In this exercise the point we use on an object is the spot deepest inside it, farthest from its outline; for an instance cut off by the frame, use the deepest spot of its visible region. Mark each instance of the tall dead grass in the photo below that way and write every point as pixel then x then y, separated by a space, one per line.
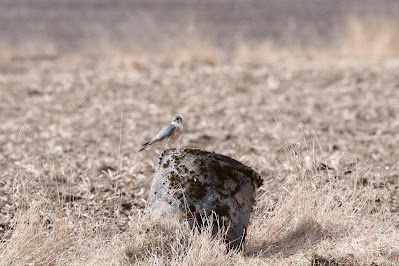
pixel 370 37
pixel 358 39
pixel 308 222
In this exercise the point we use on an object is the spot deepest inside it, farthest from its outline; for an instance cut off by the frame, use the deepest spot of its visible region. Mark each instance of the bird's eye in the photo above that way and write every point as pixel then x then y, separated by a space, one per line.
pixel 178 119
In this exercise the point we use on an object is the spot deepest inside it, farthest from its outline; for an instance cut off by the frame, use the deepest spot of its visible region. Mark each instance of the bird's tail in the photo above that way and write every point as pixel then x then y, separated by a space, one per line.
pixel 146 145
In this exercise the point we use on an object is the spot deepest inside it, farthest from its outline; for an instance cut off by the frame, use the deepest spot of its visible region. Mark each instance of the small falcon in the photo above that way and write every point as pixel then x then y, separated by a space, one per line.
pixel 168 135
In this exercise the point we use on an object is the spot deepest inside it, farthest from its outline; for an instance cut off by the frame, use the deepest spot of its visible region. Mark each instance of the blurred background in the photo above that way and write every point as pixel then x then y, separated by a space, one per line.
pixel 210 31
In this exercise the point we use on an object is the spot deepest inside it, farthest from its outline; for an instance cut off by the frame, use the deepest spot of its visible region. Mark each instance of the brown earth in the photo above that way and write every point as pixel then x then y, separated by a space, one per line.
pixel 69 138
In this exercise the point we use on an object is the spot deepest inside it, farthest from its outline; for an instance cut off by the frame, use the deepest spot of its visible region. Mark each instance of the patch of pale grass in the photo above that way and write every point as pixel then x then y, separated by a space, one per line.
pixel 34 240
pixel 183 51
pixel 337 223
pixel 372 37
pixel 5 57
pixel 37 240
pixel 42 239
pixel 165 241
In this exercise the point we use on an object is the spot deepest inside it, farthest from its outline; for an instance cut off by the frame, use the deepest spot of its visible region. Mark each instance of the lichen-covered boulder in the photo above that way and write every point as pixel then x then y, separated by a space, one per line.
pixel 190 184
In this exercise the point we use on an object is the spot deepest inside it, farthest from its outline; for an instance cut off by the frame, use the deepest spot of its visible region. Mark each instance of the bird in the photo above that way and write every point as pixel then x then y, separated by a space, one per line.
pixel 168 135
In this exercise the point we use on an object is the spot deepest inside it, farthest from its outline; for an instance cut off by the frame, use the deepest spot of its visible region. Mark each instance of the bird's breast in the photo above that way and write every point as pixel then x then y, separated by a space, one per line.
pixel 176 133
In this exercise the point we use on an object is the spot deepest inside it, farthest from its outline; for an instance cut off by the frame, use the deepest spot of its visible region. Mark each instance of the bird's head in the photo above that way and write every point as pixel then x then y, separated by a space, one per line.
pixel 178 120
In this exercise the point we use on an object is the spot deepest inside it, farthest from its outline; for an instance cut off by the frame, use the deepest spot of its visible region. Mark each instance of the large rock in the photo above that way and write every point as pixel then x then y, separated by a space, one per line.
pixel 191 183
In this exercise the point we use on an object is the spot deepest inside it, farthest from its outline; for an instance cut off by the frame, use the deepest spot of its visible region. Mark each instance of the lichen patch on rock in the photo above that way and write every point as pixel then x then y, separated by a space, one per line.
pixel 198 183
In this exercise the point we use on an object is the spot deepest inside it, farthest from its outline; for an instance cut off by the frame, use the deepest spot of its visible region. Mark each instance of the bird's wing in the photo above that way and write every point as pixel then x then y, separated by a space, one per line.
pixel 165 132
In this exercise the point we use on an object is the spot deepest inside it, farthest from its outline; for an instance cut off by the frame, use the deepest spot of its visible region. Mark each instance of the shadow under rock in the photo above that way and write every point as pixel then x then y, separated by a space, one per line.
pixel 305 235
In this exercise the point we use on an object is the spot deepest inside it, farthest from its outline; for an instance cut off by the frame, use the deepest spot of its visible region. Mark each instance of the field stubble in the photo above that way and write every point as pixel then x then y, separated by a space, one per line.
pixel 322 135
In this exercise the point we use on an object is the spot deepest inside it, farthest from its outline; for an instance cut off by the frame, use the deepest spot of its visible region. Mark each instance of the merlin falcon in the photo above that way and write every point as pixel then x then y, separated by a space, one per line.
pixel 168 135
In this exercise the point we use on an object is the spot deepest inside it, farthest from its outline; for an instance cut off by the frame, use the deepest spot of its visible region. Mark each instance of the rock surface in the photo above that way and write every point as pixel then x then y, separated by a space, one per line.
pixel 190 183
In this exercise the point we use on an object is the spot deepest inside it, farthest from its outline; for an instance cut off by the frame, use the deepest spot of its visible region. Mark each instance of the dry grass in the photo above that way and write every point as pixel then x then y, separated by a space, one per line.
pixel 322 134
pixel 373 37
pixel 337 222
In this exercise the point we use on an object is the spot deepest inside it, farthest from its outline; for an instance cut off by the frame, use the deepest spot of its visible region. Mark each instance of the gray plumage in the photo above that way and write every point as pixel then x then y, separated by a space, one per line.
pixel 164 133
pixel 167 135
